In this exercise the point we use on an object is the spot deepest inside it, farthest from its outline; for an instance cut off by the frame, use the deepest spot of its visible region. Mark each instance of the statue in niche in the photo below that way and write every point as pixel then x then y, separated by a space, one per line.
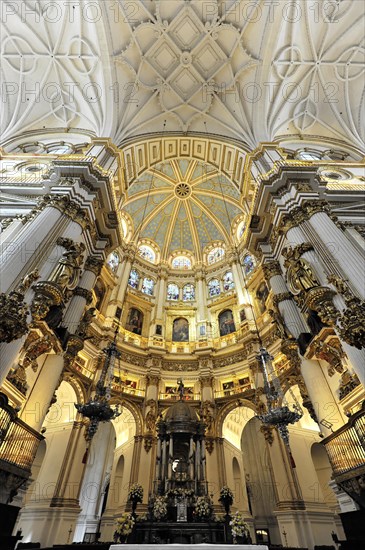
pixel 300 275
pixel 151 416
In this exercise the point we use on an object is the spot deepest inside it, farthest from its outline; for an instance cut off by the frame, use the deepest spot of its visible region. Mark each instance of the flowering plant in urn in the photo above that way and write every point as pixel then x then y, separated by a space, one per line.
pixel 159 508
pixel 226 498
pixel 239 527
pixel 135 493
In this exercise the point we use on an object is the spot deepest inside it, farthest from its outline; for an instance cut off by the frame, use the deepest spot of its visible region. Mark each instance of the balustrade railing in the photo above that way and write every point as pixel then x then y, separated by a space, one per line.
pixel 346 446
pixel 18 441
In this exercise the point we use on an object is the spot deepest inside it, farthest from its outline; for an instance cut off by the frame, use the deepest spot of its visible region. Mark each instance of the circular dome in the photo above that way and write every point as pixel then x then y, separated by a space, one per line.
pixel 181 412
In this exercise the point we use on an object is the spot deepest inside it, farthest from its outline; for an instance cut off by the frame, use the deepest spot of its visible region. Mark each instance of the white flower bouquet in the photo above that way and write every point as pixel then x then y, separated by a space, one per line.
pixel 203 508
pixel 125 524
pixel 159 508
pixel 226 495
pixel 135 493
pixel 239 526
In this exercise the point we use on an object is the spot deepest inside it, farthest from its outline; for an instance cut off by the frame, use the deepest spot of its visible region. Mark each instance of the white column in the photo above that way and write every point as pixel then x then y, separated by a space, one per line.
pixel 343 252
pixel 239 283
pixel 79 300
pixel 16 254
pixel 36 407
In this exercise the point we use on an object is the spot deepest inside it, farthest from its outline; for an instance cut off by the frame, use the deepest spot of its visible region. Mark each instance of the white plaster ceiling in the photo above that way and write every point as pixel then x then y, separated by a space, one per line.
pixel 250 70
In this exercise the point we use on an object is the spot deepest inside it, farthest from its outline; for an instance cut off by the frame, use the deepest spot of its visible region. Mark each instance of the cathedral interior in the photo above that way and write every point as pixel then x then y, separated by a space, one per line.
pixel 182 271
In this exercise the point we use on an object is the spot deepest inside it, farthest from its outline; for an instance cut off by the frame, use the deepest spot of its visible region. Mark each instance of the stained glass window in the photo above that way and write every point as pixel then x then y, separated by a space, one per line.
pixel 248 264
pixel 148 286
pixel 215 255
pixel 147 253
pixel 113 261
pixel 228 282
pixel 188 292
pixel 214 288
pixel 181 262
pixel 172 292
pixel 133 278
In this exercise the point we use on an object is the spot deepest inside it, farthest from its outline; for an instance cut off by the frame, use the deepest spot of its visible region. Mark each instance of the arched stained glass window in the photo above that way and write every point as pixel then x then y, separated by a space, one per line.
pixel 148 286
pixel 133 278
pixel 147 253
pixel 215 255
pixel 172 292
pixel 113 261
pixel 181 262
pixel 248 264
pixel 228 282
pixel 188 292
pixel 214 288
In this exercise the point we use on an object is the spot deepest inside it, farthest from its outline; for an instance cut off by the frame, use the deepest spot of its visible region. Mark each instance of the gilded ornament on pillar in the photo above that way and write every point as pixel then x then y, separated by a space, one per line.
pixel 84 293
pixel 351 322
pixel 307 403
pixel 18 378
pixel 66 273
pixel 14 311
pixel 85 322
pixel 281 297
pixel 299 273
pixel 271 269
pixel 94 264
pixel 348 383
pixel 209 444
pixel 206 381
pixel 148 442
pixel 46 295
pixel 74 345
pixel 281 330
pixel 331 352
pixel 320 299
pixel 289 348
pixel 207 414
pixel 151 416
pixel 42 345
pixel 294 218
pixel 268 432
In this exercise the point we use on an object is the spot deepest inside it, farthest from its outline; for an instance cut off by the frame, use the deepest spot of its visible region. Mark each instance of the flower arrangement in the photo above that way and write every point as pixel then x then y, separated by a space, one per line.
pixel 239 526
pixel 135 493
pixel 203 508
pixel 125 525
pixel 226 495
pixel 159 508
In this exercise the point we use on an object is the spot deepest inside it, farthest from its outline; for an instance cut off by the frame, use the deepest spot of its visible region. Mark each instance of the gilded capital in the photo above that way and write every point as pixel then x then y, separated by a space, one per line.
pixel 84 293
pixel 281 298
pixel 271 269
pixel 94 264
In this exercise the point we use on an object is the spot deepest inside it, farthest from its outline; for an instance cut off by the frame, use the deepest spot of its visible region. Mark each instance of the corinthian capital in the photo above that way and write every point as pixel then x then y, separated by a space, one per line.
pixel 94 264
pixel 271 269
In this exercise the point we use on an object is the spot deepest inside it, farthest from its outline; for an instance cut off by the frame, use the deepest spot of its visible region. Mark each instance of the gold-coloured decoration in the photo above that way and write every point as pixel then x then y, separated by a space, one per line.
pixel 268 432
pixel 299 273
pixel 352 321
pixel 66 272
pixel 281 330
pixel 46 295
pixel 348 383
pixel 94 264
pixel 320 299
pixel 330 352
pixel 151 416
pixel 209 444
pixel 38 347
pixel 271 269
pixel 83 326
pixel 281 297
pixel 14 311
pixel 289 348
pixel 18 378
pixel 207 415
pixel 148 443
pixel 74 345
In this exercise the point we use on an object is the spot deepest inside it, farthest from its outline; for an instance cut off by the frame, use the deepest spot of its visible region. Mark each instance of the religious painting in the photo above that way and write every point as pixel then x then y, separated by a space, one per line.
pixel 244 383
pixel 261 295
pixel 159 330
pixel 228 387
pixel 180 330
pixel 202 330
pixel 242 315
pixel 226 322
pixel 135 321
